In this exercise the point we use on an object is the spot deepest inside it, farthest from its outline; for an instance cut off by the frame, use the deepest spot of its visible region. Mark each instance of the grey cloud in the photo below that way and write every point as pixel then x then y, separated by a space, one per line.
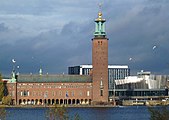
pixel 137 37
pixel 52 50
pixel 133 28
pixel 3 27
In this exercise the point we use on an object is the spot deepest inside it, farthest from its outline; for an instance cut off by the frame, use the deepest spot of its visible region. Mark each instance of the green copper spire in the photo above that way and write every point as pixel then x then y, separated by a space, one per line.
pixel 100 26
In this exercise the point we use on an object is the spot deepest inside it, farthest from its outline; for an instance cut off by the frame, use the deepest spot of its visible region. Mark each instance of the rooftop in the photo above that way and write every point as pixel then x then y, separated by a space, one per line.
pixel 54 78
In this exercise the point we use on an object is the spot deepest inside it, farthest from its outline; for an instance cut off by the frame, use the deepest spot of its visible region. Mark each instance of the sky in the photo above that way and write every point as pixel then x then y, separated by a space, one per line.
pixel 56 34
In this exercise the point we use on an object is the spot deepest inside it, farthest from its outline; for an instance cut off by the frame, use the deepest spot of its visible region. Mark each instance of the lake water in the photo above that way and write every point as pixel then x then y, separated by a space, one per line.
pixel 116 113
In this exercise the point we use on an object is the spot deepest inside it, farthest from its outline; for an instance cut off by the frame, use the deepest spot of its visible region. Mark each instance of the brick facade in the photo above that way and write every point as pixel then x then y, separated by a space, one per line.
pixel 50 93
pixel 100 71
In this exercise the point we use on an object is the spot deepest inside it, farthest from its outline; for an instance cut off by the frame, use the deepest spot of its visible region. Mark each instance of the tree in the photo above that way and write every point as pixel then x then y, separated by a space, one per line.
pixel 6 100
pixel 1 88
pixel 159 114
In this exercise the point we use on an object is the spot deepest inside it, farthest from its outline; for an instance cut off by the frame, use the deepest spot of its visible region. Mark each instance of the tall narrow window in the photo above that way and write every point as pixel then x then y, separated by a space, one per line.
pixel 101 92
pixel 53 93
pixel 88 93
pixel 72 93
pixel 27 93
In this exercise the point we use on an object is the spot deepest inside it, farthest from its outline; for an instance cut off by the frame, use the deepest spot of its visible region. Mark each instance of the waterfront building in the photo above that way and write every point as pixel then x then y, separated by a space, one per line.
pixel 66 89
pixel 115 72
pixel 95 86
pixel 51 89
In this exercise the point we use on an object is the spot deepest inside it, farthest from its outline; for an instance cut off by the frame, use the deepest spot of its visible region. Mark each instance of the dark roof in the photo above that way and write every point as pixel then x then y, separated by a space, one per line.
pixel 54 78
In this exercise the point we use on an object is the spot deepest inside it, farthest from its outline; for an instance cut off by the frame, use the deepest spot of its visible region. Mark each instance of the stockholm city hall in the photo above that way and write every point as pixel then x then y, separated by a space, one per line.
pixel 46 89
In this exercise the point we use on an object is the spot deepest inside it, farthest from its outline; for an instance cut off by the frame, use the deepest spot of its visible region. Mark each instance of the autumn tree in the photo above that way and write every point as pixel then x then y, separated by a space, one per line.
pixel 1 88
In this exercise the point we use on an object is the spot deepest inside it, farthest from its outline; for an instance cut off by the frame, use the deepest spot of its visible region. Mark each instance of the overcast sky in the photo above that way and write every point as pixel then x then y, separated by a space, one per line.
pixel 56 34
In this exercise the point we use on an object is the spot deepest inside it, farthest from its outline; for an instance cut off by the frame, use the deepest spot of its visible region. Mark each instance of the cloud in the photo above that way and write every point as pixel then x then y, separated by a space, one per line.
pixel 3 28
pixel 57 34
pixel 134 34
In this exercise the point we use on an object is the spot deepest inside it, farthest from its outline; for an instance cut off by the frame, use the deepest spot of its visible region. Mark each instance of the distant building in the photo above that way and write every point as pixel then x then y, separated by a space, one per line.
pixel 143 80
pixel 145 86
pixel 115 72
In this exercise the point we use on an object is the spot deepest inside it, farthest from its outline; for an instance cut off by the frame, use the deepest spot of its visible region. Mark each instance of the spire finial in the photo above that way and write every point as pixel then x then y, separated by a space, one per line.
pixel 100 7
pixel 100 12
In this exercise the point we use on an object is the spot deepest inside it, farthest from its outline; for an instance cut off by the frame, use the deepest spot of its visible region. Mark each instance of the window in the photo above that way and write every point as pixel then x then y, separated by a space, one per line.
pixel 46 94
pixel 98 42
pixel 72 93
pixel 27 93
pixel 88 93
pixel 24 93
pixel 67 94
pixel 101 92
pixel 53 93
pixel 80 93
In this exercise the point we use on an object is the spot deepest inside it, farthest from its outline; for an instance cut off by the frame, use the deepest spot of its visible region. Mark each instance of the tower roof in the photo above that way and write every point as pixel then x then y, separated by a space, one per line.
pixel 100 26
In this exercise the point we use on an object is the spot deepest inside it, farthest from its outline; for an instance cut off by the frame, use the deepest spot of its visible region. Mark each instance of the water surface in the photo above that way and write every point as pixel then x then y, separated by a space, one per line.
pixel 116 113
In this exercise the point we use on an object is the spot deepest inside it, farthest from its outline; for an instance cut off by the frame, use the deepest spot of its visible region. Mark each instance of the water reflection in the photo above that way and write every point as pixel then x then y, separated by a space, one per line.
pixel 3 114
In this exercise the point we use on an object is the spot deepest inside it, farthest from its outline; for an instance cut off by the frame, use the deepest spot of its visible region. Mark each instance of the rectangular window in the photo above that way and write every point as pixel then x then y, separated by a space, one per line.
pixel 101 92
pixel 72 93
pixel 28 93
pixel 88 93
pixel 45 94
pixel 21 93
pixel 67 94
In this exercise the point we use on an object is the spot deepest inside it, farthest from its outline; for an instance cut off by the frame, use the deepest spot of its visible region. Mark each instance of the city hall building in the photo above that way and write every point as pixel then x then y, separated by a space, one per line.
pixel 66 89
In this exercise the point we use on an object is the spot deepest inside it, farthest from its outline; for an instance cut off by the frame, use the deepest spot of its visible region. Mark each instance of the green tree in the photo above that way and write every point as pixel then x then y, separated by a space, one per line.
pixel 1 88
pixel 159 114
pixel 6 100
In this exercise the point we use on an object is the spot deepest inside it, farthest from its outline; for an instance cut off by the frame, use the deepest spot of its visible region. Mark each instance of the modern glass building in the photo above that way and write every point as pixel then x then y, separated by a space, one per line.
pixel 115 72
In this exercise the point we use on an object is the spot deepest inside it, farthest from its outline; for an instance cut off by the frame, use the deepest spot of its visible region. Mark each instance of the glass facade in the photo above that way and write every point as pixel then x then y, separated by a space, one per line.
pixel 115 72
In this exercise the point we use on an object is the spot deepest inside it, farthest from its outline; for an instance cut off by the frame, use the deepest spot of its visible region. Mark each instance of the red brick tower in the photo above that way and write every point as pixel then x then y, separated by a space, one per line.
pixel 100 61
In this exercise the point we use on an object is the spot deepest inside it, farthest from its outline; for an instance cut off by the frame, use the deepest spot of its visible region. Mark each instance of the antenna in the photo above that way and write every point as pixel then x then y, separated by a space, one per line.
pixel 100 7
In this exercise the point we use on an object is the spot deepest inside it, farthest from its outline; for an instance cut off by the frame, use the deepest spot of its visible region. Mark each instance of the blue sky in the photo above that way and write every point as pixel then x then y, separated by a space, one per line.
pixel 56 34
